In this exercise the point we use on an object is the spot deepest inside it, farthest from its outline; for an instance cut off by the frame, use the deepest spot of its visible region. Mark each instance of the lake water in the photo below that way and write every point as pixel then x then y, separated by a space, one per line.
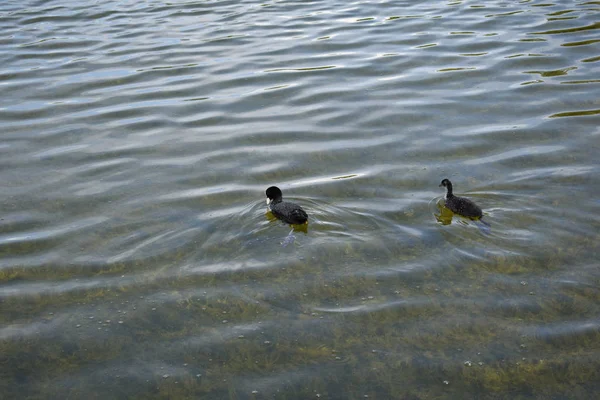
pixel 137 260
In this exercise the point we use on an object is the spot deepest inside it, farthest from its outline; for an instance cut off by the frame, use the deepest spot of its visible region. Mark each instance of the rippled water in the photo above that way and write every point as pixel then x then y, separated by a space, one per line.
pixel 137 139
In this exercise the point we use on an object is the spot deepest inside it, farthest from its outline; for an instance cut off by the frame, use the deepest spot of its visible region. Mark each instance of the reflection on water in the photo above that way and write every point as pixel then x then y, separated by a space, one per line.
pixel 137 139
pixel 443 214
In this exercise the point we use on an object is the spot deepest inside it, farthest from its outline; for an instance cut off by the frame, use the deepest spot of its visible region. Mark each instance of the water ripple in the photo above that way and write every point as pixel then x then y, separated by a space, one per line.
pixel 138 139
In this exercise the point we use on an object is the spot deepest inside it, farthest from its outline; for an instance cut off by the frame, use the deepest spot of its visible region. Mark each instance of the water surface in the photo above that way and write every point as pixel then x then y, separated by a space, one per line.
pixel 137 139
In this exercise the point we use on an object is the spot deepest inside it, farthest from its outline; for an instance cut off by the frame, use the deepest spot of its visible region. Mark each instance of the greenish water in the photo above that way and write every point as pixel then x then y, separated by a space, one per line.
pixel 136 257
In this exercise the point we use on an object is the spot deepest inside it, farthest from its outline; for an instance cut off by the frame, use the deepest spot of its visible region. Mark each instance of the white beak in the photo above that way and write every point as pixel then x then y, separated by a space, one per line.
pixel 268 201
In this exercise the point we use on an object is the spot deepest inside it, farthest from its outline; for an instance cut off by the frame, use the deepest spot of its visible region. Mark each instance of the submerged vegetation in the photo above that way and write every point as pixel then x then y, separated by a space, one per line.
pixel 418 334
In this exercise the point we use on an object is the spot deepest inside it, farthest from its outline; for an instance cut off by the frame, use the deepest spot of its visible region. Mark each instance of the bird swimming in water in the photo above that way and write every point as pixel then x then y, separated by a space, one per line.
pixel 460 205
pixel 284 210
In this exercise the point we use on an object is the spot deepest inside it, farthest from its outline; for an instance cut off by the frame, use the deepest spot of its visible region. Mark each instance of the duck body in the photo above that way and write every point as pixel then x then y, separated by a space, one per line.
pixel 460 205
pixel 286 211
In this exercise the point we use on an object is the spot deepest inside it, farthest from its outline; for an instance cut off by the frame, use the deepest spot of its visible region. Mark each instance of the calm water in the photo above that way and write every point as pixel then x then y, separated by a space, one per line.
pixel 137 139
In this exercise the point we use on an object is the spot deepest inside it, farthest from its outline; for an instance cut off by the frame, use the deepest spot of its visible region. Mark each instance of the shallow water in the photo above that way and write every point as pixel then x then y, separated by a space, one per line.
pixel 138 137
